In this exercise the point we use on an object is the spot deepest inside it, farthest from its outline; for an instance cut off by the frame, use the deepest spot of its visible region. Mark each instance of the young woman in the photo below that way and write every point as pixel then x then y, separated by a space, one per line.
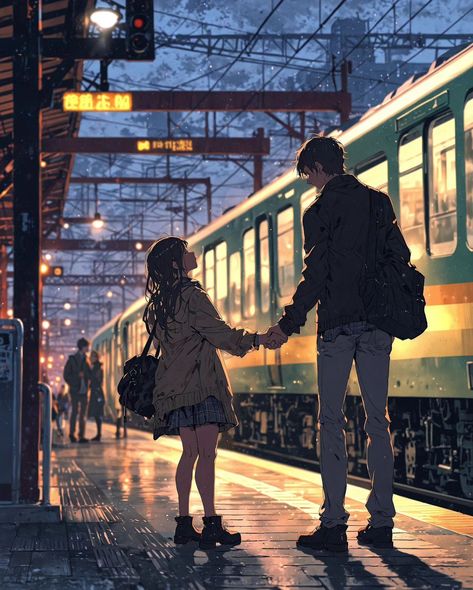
pixel 97 400
pixel 192 395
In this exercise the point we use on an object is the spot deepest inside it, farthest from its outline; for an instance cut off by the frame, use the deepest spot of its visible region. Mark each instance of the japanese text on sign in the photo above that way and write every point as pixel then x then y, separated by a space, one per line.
pixel 97 101
pixel 166 145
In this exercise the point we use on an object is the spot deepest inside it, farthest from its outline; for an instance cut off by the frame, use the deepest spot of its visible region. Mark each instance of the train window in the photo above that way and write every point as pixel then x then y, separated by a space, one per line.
pixel 249 272
pixel 286 251
pixel 209 264
pixel 307 198
pixel 131 339
pixel 442 186
pixel 469 169
pixel 411 192
pixel 235 287
pixel 263 236
pixel 222 276
pixel 375 174
pixel 196 274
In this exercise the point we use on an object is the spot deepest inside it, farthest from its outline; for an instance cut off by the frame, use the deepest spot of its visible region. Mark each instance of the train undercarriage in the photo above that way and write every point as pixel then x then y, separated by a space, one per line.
pixel 432 437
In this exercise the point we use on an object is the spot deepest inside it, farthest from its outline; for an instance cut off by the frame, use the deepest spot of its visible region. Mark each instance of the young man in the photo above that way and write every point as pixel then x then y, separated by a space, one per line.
pixel 77 376
pixel 335 242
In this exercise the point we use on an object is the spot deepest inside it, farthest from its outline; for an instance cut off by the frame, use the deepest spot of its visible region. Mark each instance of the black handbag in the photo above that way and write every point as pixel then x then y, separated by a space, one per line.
pixel 135 389
pixel 392 289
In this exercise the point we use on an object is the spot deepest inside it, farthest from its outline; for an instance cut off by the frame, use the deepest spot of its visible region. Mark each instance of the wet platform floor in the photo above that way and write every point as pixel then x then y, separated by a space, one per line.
pixel 119 500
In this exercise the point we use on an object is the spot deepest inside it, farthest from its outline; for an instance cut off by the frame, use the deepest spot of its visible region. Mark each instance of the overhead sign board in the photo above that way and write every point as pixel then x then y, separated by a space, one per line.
pixel 97 102
pixel 167 145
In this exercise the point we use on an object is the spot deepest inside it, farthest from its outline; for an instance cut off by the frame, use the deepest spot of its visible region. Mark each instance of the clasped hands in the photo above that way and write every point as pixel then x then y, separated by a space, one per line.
pixel 273 338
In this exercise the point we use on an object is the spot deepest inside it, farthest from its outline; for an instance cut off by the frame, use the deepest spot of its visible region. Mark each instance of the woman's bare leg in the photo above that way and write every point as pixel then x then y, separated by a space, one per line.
pixel 185 468
pixel 207 437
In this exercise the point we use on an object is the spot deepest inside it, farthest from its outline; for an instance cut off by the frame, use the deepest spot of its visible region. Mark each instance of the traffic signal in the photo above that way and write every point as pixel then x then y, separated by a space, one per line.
pixel 140 30
pixel 51 271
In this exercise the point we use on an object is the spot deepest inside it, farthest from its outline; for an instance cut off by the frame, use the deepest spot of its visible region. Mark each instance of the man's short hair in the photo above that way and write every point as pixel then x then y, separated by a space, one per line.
pixel 327 151
pixel 82 343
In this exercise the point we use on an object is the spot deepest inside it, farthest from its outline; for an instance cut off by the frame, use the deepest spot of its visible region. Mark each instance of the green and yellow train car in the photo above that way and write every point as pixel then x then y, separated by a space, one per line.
pixel 418 146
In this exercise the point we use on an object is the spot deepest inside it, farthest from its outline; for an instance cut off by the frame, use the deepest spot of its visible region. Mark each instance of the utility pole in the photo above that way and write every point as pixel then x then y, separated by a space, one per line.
pixel 27 225
pixel 258 164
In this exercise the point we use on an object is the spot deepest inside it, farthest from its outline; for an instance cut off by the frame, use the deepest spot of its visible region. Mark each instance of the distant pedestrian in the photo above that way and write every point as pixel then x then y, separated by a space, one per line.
pixel 97 399
pixel 63 405
pixel 192 396
pixel 77 376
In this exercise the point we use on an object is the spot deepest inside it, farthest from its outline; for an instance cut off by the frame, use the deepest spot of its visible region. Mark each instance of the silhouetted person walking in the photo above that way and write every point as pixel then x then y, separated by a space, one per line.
pixel 97 400
pixel 77 376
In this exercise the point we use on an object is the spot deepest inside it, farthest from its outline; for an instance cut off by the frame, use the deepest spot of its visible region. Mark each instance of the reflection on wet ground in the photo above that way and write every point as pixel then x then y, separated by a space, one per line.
pixel 119 502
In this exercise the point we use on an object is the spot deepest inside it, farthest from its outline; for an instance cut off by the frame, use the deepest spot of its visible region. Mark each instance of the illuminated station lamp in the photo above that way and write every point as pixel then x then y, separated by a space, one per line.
pixel 105 18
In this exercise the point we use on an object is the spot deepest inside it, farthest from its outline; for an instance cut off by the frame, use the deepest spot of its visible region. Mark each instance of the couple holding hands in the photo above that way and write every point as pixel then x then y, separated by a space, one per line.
pixel 192 395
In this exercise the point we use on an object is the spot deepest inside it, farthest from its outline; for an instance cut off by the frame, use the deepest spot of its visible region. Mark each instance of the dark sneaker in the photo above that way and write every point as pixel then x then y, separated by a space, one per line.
pixel 185 530
pixel 97 438
pixel 376 537
pixel 329 538
pixel 83 440
pixel 213 533
pixel 72 438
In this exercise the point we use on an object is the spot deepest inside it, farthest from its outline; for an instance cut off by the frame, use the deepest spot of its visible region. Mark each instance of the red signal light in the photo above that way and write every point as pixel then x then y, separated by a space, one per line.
pixel 139 22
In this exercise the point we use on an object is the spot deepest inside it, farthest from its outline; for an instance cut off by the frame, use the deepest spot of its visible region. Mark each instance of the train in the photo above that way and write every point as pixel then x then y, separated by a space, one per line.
pixel 417 145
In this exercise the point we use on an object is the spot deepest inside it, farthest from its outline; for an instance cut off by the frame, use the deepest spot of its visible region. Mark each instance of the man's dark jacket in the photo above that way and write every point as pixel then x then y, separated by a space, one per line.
pixel 76 364
pixel 335 241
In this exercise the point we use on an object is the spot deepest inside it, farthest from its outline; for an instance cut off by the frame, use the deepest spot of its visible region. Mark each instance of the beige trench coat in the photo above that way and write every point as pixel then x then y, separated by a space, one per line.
pixel 191 366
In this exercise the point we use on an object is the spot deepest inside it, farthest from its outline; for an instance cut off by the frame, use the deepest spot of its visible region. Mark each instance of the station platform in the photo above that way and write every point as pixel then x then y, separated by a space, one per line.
pixel 118 503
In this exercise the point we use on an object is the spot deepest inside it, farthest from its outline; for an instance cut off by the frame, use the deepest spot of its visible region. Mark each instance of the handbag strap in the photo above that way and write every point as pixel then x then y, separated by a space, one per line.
pixel 150 340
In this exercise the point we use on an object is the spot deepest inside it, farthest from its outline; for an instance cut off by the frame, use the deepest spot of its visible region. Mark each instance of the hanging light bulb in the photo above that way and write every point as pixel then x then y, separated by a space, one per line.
pixel 98 222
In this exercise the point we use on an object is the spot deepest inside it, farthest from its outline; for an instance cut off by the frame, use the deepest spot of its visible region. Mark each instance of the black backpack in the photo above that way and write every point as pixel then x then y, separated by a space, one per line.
pixel 135 389
pixel 392 289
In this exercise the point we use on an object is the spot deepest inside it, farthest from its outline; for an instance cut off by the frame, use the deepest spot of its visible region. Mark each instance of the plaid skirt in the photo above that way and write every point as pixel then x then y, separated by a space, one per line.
pixel 208 411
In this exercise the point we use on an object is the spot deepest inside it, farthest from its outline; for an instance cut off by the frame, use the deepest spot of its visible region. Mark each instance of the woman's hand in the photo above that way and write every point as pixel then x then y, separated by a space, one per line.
pixel 273 338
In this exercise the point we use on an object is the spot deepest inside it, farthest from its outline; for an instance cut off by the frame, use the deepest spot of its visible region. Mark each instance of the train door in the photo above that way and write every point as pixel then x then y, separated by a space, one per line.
pixel 267 305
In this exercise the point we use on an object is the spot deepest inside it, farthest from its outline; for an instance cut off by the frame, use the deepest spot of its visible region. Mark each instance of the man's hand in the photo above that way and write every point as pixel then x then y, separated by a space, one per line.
pixel 274 338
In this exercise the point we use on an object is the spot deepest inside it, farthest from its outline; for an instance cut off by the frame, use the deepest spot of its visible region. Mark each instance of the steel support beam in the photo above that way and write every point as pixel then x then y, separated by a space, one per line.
pixel 127 145
pixel 102 245
pixel 138 180
pixel 96 281
pixel 27 226
pixel 240 100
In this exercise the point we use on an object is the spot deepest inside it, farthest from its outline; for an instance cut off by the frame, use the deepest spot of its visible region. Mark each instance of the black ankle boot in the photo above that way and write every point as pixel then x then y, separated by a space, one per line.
pixel 214 533
pixel 330 539
pixel 377 537
pixel 185 531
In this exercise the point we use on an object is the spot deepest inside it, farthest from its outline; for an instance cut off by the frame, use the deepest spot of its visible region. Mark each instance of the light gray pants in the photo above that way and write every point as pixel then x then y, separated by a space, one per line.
pixel 371 351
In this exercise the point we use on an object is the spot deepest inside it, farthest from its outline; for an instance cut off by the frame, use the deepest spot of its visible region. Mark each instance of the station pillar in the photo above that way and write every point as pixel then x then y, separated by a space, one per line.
pixel 3 282
pixel 27 226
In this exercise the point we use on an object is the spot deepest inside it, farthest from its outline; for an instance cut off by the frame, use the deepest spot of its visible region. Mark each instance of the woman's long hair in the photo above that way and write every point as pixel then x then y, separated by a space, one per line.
pixel 163 285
